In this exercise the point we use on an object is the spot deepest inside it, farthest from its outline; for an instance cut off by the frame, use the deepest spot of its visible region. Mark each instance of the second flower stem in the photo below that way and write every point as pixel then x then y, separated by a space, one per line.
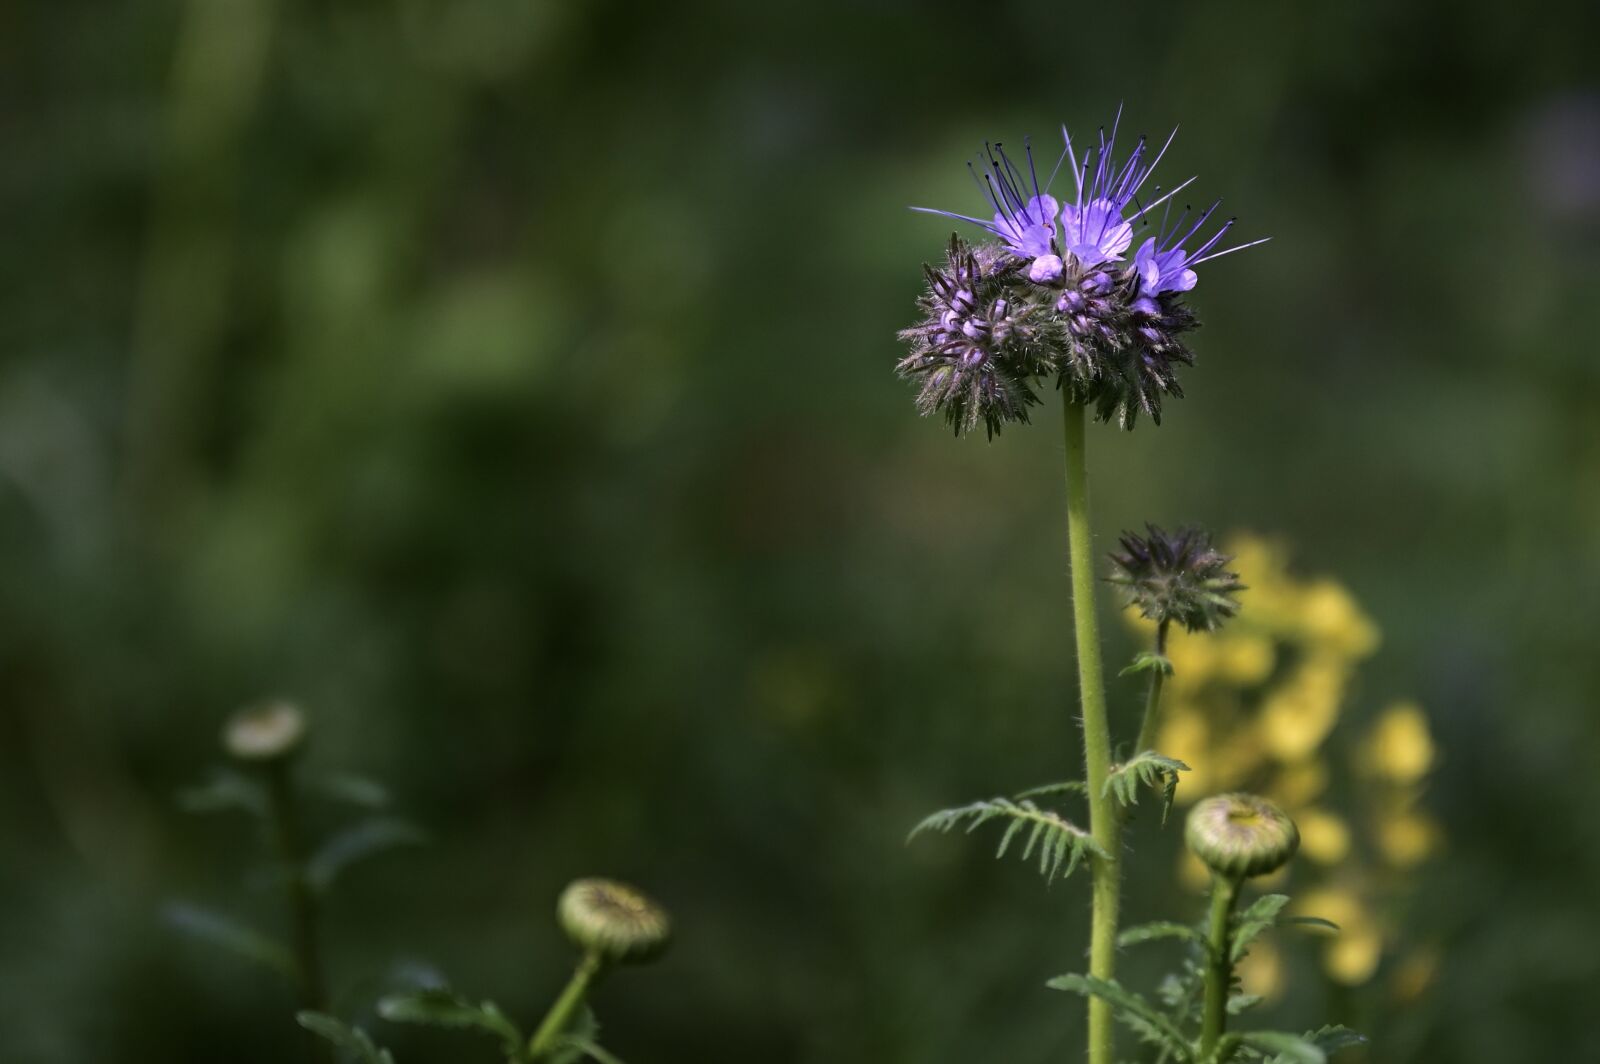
pixel 1104 824
pixel 1219 973
pixel 561 1014
pixel 1152 702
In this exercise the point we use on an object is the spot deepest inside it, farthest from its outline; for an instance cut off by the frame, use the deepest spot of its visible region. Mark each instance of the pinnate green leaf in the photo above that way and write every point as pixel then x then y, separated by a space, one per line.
pixel 231 935
pixel 1288 1048
pixel 353 790
pixel 440 1007
pixel 1148 661
pixel 352 1041
pixel 1132 1010
pixel 1060 844
pixel 224 790
pixel 1161 929
pixel 1248 925
pixel 1145 769
pixel 357 843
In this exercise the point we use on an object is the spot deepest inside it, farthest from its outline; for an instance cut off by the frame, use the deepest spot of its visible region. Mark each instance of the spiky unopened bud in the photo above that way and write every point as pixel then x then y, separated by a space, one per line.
pixel 1179 577
pixel 613 920
pixel 265 732
pixel 1241 835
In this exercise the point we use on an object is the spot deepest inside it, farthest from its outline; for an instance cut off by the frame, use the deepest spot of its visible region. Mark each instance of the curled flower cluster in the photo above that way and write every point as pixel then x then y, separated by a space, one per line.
pixel 1059 293
pixel 977 346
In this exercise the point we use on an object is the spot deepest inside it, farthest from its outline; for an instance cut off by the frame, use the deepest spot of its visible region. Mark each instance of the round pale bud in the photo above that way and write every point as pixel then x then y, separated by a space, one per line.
pixel 1241 835
pixel 613 920
pixel 266 732
pixel 1045 269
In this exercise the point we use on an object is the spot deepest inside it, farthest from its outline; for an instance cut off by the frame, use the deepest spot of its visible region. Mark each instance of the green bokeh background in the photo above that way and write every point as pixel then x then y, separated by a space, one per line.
pixel 510 383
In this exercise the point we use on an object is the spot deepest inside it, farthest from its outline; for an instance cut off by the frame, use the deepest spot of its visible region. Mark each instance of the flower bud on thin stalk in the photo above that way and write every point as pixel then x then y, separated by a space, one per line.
pixel 267 737
pixel 1178 577
pixel 612 923
pixel 1237 836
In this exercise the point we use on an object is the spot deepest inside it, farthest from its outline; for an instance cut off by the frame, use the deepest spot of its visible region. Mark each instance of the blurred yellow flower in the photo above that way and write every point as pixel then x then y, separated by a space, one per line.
pixel 1246 660
pixel 1351 956
pixel 1407 839
pixel 1332 618
pixel 1324 837
pixel 1400 746
pixel 1252 706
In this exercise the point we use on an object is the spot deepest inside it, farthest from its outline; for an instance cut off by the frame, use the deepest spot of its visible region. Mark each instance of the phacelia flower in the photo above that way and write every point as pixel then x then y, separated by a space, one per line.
pixel 1110 326
pixel 1178 578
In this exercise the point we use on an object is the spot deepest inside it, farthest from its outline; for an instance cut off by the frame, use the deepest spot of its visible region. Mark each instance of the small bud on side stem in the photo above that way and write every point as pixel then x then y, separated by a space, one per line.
pixel 612 923
pixel 1238 836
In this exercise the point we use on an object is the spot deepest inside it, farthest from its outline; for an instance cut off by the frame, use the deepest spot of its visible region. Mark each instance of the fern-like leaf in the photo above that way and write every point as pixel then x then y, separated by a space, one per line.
pixel 1262 914
pixel 591 1049
pixel 1329 1040
pixel 1285 1048
pixel 1148 661
pixel 1161 929
pixel 1132 1010
pixel 1061 845
pixel 1050 790
pixel 1241 1003
pixel 1146 769
pixel 443 1008
pixel 352 1041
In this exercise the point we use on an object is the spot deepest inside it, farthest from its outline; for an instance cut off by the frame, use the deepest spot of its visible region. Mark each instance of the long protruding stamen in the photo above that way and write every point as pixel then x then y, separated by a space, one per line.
pixel 1167 197
pixel 1230 251
pixel 1077 175
pixel 1154 163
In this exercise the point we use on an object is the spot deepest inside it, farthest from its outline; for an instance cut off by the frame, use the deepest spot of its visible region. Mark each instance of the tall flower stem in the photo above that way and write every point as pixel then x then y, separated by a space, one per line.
pixel 559 1018
pixel 1219 970
pixel 1104 824
pixel 285 827
pixel 1152 701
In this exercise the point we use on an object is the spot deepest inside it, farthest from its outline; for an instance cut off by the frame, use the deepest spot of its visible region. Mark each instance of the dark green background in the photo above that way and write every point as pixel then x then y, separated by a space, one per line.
pixel 510 383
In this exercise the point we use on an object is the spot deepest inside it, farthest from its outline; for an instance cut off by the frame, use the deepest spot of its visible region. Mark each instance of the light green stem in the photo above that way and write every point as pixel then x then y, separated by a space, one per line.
pixel 1152 701
pixel 1219 969
pixel 1104 823
pixel 559 1018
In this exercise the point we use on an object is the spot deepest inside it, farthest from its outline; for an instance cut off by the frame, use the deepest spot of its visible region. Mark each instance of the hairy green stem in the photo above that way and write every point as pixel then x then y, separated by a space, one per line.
pixel 559 1018
pixel 1219 967
pixel 1152 701
pixel 1104 823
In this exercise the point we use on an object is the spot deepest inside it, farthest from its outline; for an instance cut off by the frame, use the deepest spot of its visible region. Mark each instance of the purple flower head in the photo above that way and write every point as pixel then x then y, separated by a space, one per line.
pixel 1067 288
pixel 1096 226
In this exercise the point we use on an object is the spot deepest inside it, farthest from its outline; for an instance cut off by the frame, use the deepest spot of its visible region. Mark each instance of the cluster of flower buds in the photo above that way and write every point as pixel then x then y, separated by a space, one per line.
pixel 1176 578
pixel 976 343
pixel 1106 325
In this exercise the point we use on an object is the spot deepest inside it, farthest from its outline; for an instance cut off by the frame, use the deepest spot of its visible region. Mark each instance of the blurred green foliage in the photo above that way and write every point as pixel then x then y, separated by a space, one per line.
pixel 509 382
